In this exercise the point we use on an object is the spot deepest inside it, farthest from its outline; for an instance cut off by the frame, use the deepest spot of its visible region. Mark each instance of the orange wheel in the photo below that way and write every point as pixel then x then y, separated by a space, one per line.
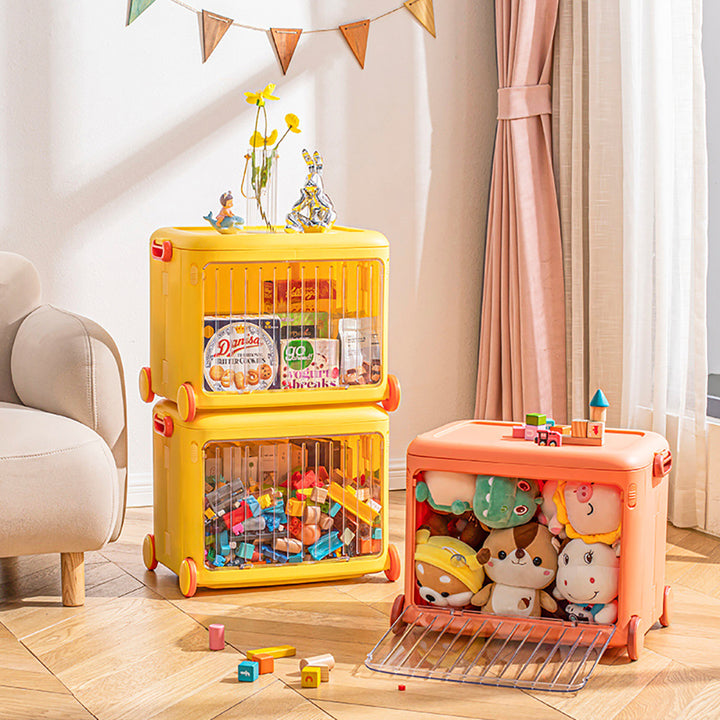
pixel 396 612
pixel 148 551
pixel 145 383
pixel 667 606
pixel 186 402
pixel 391 401
pixel 188 577
pixel 392 572
pixel 635 638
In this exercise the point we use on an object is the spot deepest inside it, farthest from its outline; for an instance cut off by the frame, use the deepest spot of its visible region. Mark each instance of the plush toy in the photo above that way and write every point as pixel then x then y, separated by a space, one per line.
pixel 465 527
pixel 547 514
pixel 589 511
pixel 446 570
pixel 520 561
pixel 587 577
pixel 446 491
pixel 501 502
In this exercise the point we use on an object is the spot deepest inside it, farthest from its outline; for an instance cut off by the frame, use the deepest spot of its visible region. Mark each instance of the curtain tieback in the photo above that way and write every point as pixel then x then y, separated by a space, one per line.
pixel 524 101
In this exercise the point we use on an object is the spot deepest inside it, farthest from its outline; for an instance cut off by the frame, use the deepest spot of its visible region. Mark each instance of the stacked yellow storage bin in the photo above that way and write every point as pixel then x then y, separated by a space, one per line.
pixel 270 464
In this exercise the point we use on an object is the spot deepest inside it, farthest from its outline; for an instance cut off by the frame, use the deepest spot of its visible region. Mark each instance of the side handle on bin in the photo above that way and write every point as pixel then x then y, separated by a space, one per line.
pixel 163 425
pixel 662 464
pixel 162 251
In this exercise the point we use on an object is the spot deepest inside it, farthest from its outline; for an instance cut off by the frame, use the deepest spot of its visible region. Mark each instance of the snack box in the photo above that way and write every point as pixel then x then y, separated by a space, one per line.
pixel 202 283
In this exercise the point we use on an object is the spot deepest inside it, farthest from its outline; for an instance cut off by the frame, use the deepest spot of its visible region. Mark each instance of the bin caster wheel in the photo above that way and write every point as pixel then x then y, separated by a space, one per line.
pixel 667 606
pixel 148 551
pixel 145 383
pixel 396 612
pixel 188 577
pixel 635 638
pixel 392 572
pixel 391 401
pixel 186 402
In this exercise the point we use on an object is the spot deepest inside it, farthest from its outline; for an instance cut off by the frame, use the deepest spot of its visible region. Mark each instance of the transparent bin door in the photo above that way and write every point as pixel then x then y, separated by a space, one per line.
pixel 293 500
pixel 292 325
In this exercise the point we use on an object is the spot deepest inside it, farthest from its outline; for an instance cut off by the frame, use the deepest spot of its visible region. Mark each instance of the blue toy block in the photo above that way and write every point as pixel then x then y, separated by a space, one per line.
pixel 377 534
pixel 253 505
pixel 245 550
pixel 599 400
pixel 334 508
pixel 248 671
pixel 219 561
pixel 325 545
pixel 277 509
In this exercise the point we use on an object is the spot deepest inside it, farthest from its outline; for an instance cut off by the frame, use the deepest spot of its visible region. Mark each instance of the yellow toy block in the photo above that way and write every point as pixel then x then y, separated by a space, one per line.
pixel 209 514
pixel 295 507
pixel 347 498
pixel 311 676
pixel 276 652
pixel 265 500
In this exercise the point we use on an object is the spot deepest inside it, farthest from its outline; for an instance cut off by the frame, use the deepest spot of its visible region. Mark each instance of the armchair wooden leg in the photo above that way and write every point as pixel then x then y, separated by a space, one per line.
pixel 72 566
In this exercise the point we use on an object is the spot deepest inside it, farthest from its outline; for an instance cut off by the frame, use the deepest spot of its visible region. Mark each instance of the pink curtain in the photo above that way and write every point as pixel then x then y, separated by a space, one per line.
pixel 522 334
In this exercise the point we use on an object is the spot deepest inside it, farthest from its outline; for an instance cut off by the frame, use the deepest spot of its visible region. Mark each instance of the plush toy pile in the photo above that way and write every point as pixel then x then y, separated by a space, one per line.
pixel 515 546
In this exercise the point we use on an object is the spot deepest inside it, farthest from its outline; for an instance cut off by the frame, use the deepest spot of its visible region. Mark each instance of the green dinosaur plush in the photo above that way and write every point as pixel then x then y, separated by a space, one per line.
pixel 501 502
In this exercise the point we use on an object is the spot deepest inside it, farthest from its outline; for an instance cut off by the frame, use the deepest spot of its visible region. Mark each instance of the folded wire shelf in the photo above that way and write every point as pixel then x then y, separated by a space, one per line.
pixel 492 651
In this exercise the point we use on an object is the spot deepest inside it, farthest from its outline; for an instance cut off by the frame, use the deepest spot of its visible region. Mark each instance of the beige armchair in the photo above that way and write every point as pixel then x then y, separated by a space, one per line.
pixel 63 437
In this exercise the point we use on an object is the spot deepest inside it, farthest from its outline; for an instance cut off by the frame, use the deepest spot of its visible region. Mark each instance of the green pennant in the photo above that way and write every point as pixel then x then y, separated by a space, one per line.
pixel 137 8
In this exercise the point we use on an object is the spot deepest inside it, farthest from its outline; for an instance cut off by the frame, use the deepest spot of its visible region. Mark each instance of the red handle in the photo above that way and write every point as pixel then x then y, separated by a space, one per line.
pixel 162 251
pixel 662 464
pixel 163 425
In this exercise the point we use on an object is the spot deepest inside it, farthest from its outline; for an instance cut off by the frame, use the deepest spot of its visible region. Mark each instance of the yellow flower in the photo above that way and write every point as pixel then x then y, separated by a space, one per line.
pixel 259 98
pixel 257 140
pixel 293 122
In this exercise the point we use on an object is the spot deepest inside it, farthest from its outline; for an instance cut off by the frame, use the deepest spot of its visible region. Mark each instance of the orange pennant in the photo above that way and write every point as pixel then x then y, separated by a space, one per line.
pixel 286 40
pixel 213 28
pixel 423 11
pixel 356 35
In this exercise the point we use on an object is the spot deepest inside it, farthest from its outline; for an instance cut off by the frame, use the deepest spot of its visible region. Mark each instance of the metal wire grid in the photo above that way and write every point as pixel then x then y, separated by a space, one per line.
pixel 497 652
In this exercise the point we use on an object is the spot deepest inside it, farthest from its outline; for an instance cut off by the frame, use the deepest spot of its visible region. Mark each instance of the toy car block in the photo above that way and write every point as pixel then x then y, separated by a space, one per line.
pixel 535 419
pixel 310 677
pixel 276 652
pixel 248 671
pixel 216 637
pixel 327 660
pixel 266 663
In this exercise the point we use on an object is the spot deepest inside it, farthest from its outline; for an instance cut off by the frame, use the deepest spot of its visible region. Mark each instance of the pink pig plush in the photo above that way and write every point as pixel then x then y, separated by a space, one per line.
pixel 589 511
pixel 547 514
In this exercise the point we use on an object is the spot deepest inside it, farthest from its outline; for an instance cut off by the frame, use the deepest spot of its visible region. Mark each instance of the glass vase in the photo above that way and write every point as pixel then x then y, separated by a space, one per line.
pixel 260 191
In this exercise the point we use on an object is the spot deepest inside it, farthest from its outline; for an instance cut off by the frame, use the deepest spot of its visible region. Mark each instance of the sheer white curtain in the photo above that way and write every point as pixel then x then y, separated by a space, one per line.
pixel 630 157
pixel 665 238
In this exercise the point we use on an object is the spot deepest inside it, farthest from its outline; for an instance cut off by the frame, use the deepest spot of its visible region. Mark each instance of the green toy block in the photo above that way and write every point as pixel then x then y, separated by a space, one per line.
pixel 535 419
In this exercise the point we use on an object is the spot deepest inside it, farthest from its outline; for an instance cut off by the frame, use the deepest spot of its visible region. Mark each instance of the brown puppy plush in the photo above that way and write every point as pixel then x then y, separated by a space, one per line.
pixel 520 561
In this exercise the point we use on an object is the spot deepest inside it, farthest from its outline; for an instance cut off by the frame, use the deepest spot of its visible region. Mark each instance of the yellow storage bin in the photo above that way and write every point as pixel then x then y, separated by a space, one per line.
pixel 270 497
pixel 262 319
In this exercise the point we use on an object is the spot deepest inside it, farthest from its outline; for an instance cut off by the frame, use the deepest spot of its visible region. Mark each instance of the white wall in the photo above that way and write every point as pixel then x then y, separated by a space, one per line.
pixel 711 58
pixel 110 132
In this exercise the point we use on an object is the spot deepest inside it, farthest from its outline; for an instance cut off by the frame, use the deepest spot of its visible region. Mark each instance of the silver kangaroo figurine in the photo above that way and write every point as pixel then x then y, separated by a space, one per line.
pixel 314 211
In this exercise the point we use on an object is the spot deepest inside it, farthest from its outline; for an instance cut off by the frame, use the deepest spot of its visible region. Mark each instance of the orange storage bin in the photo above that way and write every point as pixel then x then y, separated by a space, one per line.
pixel 554 650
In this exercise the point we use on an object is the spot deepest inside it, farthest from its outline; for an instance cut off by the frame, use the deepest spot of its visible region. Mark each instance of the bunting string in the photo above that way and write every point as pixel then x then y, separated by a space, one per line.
pixel 285 40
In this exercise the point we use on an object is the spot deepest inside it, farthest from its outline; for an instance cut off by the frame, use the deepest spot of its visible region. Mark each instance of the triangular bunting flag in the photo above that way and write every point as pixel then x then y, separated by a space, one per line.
pixel 213 28
pixel 286 40
pixel 356 35
pixel 423 11
pixel 137 8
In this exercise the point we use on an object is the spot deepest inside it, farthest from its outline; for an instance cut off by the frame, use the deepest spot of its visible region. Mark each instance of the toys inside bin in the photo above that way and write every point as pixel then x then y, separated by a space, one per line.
pixel 518 546
pixel 292 501
pixel 292 325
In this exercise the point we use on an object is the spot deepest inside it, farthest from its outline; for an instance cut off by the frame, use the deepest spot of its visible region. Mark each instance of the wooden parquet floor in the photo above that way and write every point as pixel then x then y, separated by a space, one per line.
pixel 138 649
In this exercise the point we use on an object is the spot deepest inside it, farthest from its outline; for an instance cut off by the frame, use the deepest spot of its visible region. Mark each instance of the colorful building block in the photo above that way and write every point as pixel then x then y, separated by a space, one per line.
pixel 266 663
pixel 518 431
pixel 317 660
pixel 217 637
pixel 277 651
pixel 346 497
pixel 535 419
pixel 310 677
pixel 319 494
pixel 294 507
pixel 334 509
pixel 311 515
pixel 248 671
pixel 209 513
pixel 253 506
pixel 245 550
pixel 325 545
pixel 579 428
pixel 377 533
pixel 265 501
pixel 347 536
pixel 325 522
pixel 596 429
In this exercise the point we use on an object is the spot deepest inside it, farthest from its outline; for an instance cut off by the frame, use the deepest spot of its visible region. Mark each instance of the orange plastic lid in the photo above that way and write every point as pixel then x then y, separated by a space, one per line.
pixel 488 441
